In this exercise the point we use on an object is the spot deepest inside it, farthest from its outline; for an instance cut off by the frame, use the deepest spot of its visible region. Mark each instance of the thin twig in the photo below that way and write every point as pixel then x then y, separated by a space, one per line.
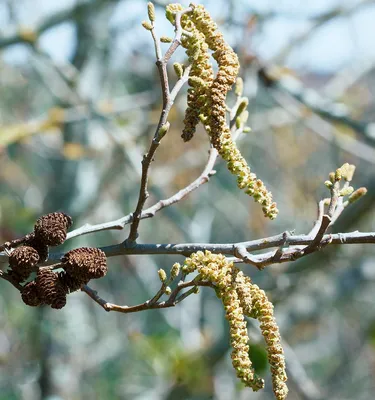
pixel 149 304
pixel 151 211
pixel 161 64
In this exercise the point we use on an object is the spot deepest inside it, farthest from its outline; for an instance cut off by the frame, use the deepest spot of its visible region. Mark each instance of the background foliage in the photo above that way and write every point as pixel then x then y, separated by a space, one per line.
pixel 78 107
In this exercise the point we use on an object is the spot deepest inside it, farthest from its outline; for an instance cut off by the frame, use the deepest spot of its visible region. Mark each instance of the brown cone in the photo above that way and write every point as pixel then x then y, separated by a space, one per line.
pixel 50 290
pixel 30 296
pixel 39 246
pixel 22 260
pixel 59 300
pixel 71 284
pixel 52 228
pixel 85 263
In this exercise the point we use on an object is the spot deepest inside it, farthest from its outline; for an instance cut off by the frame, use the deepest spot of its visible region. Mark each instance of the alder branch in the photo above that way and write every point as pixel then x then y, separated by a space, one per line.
pixel 285 239
pixel 150 304
pixel 150 212
pixel 162 128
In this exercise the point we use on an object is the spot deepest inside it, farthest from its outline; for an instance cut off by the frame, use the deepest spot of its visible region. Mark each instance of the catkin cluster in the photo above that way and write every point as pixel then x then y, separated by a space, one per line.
pixel 242 298
pixel 207 95
pixel 79 266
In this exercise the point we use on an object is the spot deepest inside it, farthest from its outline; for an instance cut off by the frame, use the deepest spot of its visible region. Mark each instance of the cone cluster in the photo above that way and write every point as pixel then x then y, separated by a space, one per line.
pixel 21 261
pixel 49 230
pixel 85 263
pixel 50 287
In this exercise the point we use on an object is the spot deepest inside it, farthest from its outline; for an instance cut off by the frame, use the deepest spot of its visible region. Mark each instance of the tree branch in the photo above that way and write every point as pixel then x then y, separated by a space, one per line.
pixel 162 127
pixel 234 249
pixel 149 304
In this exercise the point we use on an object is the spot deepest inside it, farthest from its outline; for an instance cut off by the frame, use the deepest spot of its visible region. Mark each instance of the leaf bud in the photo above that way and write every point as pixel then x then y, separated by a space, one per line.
pixel 151 11
pixel 166 39
pixel 357 194
pixel 178 69
pixel 162 275
pixel 329 184
pixel 175 270
pixel 239 87
pixel 147 25
pixel 346 191
pixel 168 291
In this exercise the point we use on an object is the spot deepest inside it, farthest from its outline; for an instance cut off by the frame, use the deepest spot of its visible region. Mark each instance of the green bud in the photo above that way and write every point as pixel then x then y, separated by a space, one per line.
pixel 344 170
pixel 247 129
pixel 346 191
pixel 242 106
pixel 347 171
pixel 238 122
pixel 166 39
pixel 162 275
pixel 329 184
pixel 332 177
pixel 178 69
pixel 338 174
pixel 151 11
pixel 239 87
pixel 163 130
pixel 170 16
pixel 147 25
pixel 175 270
pixel 168 291
pixel 357 194
pixel 196 290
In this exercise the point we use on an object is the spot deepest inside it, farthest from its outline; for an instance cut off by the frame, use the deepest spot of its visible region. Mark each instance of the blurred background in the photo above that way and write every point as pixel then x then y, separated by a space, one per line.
pixel 79 100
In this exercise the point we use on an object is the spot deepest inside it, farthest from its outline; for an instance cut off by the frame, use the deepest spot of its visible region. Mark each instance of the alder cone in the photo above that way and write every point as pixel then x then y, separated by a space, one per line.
pixel 39 246
pixel 85 263
pixel 30 296
pixel 21 261
pixel 72 284
pixel 59 300
pixel 24 256
pixel 52 228
pixel 50 289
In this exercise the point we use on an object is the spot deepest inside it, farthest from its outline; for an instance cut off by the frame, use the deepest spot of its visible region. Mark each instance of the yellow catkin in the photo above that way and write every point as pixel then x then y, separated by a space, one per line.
pixel 216 269
pixel 243 287
pixel 262 309
pixel 242 298
pixel 199 58
pixel 206 101
pixel 216 124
